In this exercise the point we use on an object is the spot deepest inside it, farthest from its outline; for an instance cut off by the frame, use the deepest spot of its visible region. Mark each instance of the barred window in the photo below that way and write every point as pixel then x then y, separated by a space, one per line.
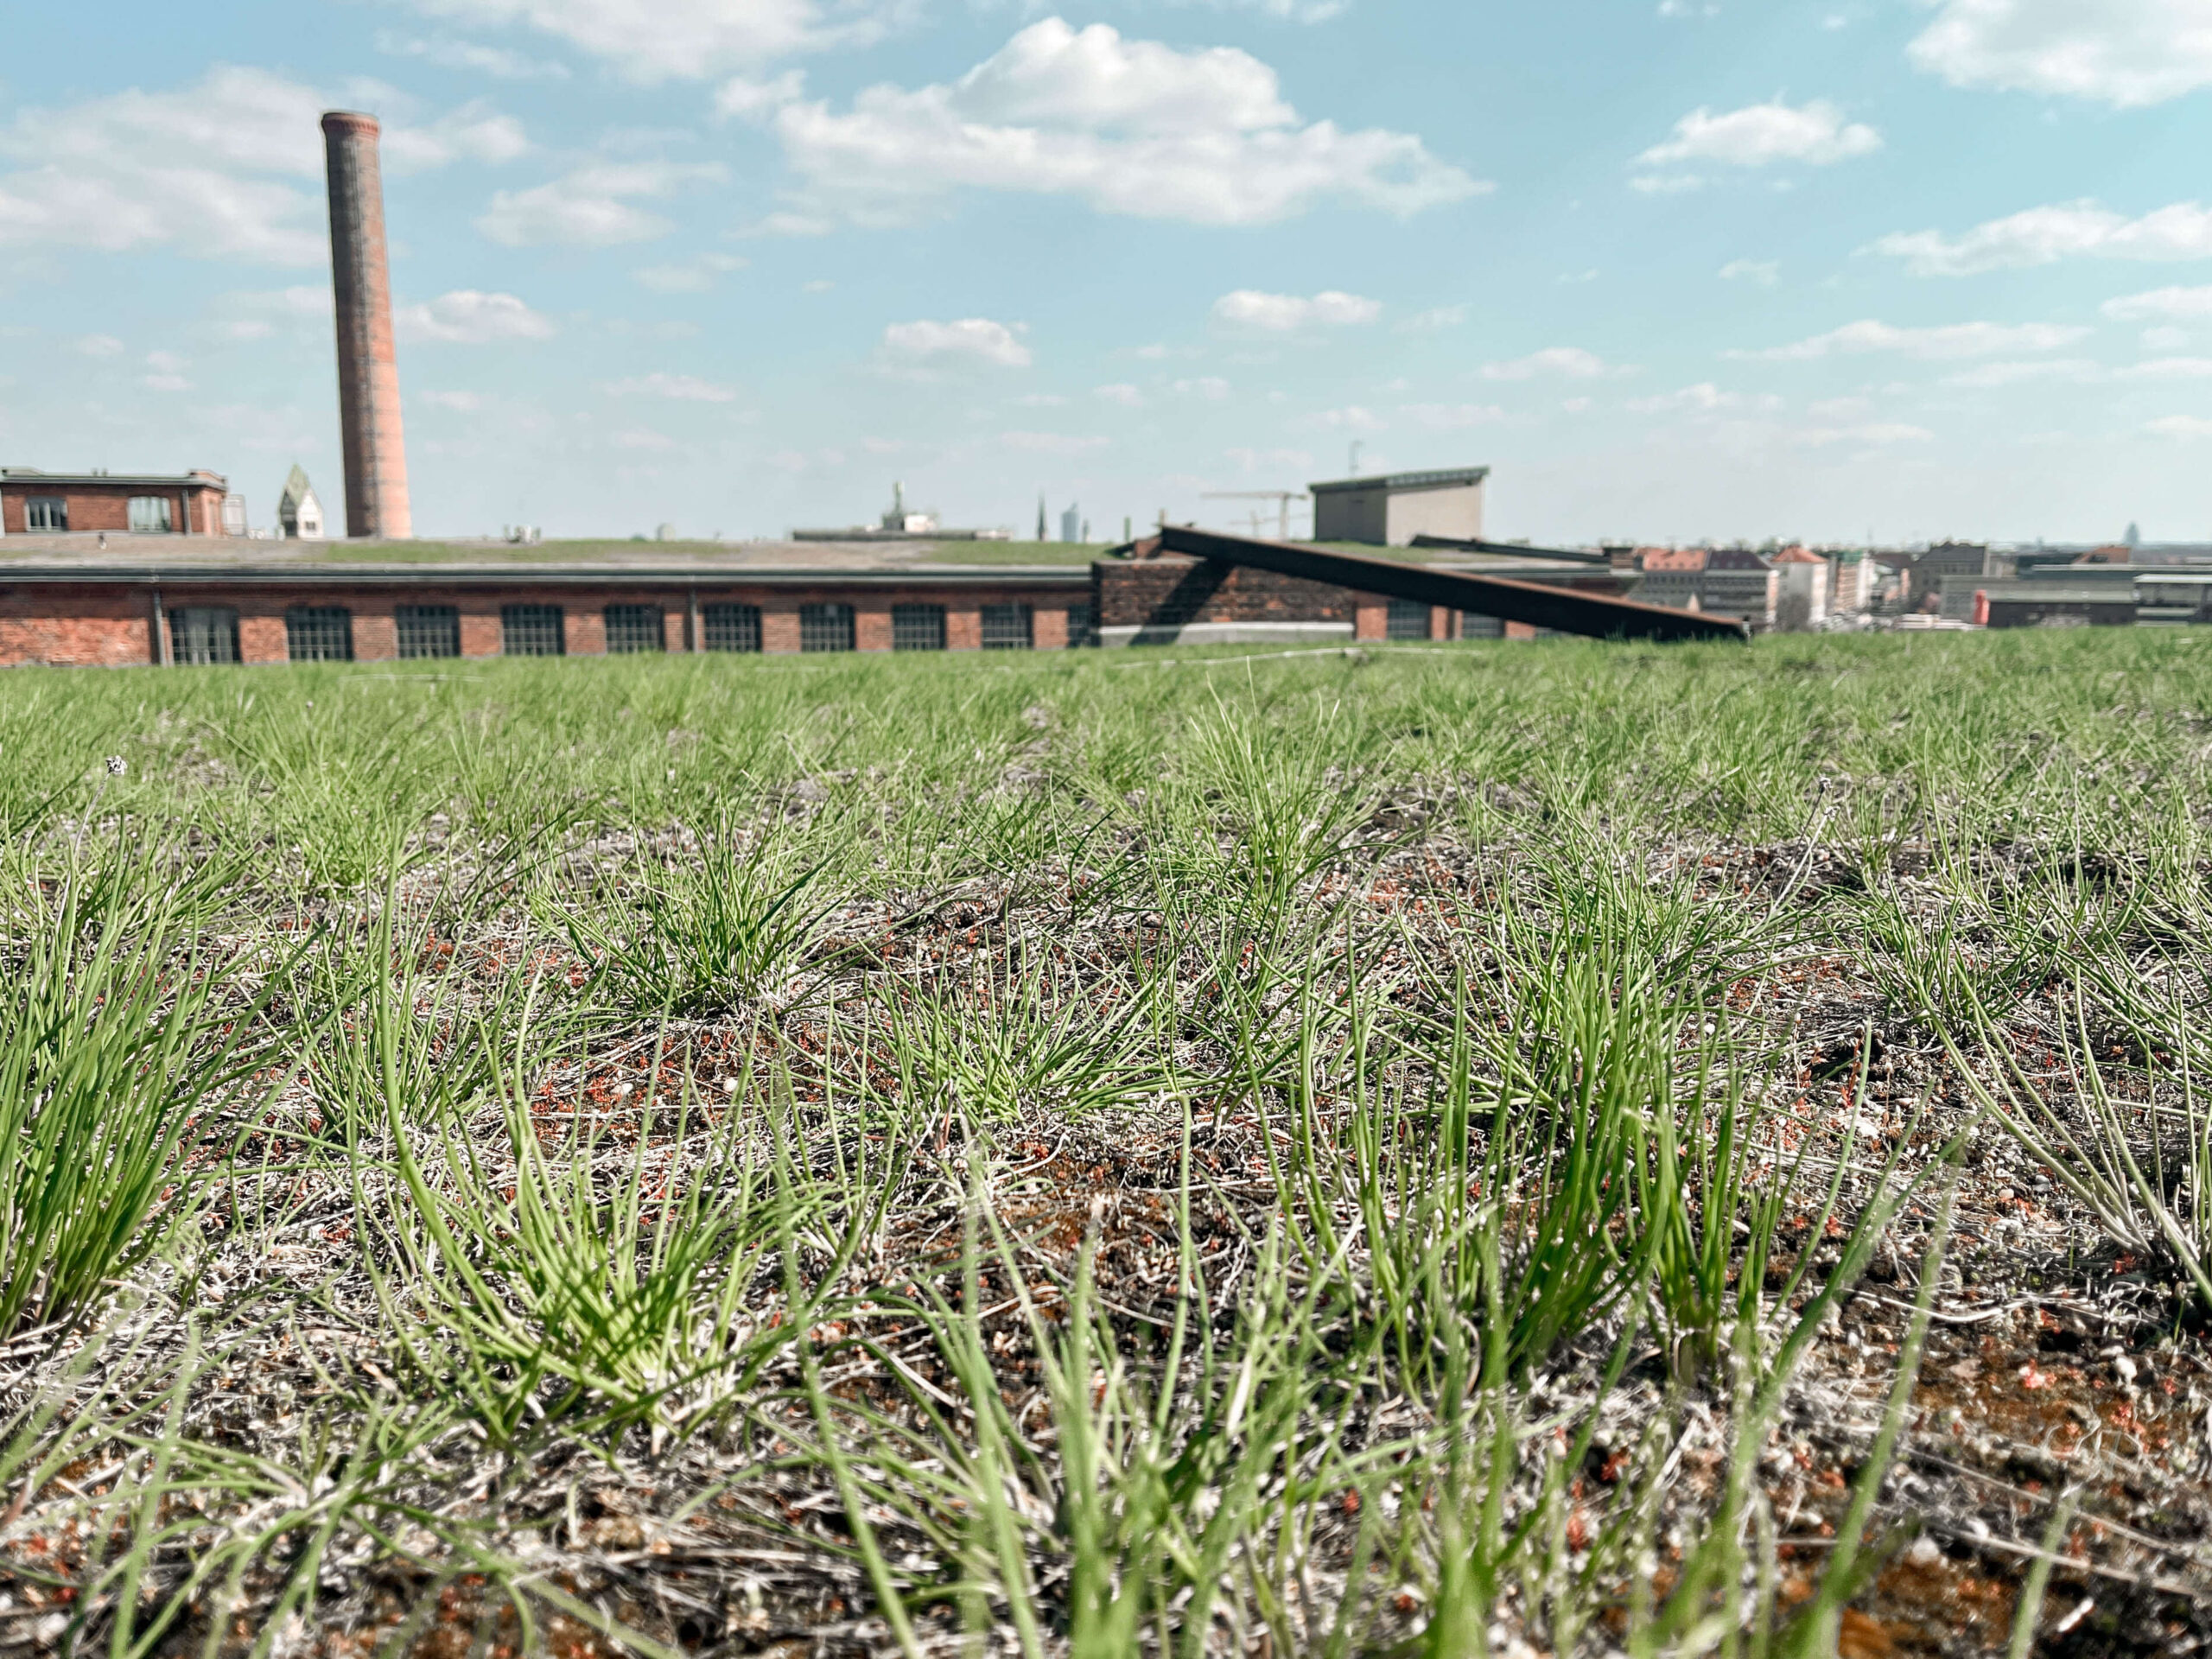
pixel 1006 627
pixel 1080 632
pixel 532 631
pixel 1473 625
pixel 429 630
pixel 917 627
pixel 203 634
pixel 635 627
pixel 825 627
pixel 46 512
pixel 1409 619
pixel 150 515
pixel 731 628
pixel 319 634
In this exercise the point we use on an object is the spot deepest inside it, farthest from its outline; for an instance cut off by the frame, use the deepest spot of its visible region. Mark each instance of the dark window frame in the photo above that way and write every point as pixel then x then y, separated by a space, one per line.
pixel 318 633
pixel 633 630
pixel 427 631
pixel 203 635
pixel 1403 617
pixel 728 624
pixel 1008 627
pixel 523 631
pixel 1081 631
pixel 46 506
pixel 917 626
pixel 825 627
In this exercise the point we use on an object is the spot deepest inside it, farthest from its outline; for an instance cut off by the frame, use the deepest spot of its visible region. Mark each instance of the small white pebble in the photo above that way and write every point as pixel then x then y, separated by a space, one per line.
pixel 622 1090
pixel 1924 1552
pixel 2125 1368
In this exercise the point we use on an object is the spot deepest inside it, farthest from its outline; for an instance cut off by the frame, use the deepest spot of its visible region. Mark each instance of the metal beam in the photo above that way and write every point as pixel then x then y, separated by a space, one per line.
pixel 1555 608
pixel 1570 555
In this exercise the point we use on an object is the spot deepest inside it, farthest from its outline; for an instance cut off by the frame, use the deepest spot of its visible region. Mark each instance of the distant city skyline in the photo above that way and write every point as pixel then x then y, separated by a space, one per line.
pixel 1861 270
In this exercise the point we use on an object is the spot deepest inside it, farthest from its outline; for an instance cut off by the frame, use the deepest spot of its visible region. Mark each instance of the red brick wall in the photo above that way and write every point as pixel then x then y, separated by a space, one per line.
pixel 1167 591
pixel 109 623
pixel 193 510
pixel 75 627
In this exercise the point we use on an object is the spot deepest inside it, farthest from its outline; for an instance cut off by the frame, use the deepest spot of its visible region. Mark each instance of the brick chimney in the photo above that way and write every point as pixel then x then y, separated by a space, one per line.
pixel 368 372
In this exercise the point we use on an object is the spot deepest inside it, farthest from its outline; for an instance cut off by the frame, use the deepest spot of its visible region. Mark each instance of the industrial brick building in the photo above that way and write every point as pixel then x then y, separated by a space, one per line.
pixel 35 503
pixel 119 615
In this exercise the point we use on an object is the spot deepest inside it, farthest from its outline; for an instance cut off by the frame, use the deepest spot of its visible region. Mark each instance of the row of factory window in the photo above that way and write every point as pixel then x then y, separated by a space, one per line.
pixel 150 515
pixel 324 634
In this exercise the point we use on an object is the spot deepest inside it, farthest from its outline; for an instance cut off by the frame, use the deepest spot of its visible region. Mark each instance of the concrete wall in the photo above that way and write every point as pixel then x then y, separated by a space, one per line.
pixel 1456 513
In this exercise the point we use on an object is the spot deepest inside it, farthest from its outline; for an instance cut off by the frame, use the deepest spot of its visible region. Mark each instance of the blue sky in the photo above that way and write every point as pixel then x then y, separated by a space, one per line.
pixel 1906 267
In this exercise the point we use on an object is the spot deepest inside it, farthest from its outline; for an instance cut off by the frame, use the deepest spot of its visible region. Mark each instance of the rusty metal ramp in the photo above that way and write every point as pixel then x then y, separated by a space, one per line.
pixel 1561 610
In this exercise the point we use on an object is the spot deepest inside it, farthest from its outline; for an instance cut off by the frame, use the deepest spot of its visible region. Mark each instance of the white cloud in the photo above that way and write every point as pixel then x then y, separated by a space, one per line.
pixel 1703 398
pixel 1042 400
pixel 2179 426
pixel 1441 316
pixel 690 276
pixel 2013 372
pixel 99 346
pixel 167 372
pixel 1283 313
pixel 1665 184
pixel 1878 434
pixel 742 99
pixel 1208 388
pixel 471 56
pixel 1272 459
pixel 1051 443
pixel 592 206
pixel 2175 302
pixel 2167 368
pixel 2164 338
pixel 976 339
pixel 1353 418
pixel 1765 273
pixel 680 39
pixel 1571 361
pixel 681 388
pixel 1947 342
pixel 1451 417
pixel 468 316
pixel 1130 127
pixel 463 402
pixel 2126 53
pixel 469 134
pixel 641 438
pixel 229 166
pixel 2042 236
pixel 1760 134
pixel 1121 392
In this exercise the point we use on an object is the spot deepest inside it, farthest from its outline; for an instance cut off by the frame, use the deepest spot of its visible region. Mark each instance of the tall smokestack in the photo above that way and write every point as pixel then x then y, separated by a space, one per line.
pixel 368 372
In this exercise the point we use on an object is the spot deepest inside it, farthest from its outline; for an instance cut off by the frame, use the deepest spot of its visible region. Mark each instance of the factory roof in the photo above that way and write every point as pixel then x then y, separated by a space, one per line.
pixel 324 575
pixel 157 480
pixel 1391 483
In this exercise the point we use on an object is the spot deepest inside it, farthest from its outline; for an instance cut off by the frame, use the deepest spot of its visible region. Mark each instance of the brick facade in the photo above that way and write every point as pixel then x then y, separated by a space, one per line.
pixel 65 618
pixel 102 505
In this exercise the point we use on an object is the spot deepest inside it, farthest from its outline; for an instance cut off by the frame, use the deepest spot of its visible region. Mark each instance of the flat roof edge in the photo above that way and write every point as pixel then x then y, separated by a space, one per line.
pixel 449 575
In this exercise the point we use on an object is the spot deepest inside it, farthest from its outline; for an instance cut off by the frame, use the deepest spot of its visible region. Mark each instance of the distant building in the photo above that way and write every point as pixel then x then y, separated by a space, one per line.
pixel 1853 580
pixel 1946 559
pixel 1390 509
pixel 1802 590
pixel 1741 583
pixel 35 503
pixel 299 510
pixel 1672 576
pixel 1072 523
pixel 898 525
pixel 904 523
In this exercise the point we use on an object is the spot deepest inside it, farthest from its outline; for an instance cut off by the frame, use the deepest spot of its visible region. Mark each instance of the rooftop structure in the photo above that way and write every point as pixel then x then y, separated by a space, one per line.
pixel 37 503
pixel 1390 509
pixel 299 510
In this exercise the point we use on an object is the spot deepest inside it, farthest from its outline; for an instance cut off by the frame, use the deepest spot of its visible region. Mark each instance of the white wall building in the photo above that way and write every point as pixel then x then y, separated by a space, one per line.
pixel 1390 511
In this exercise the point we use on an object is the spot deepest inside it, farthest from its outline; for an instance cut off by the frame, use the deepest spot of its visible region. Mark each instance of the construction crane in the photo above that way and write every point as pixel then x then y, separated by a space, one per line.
pixel 1282 499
